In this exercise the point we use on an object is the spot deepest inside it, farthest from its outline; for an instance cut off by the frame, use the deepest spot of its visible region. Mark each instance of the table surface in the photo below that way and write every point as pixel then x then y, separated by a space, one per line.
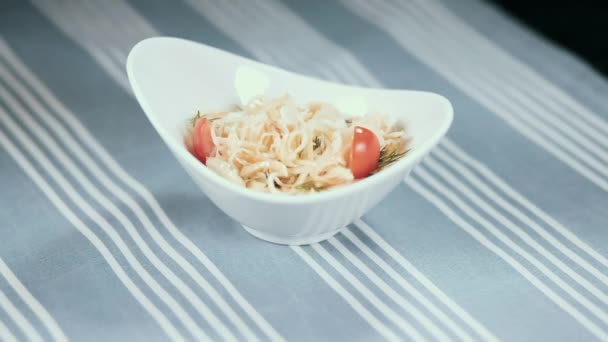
pixel 573 25
pixel 500 234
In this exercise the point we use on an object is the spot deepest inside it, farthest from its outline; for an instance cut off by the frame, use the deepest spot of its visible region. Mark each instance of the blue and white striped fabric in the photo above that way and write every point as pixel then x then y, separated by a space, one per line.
pixel 501 234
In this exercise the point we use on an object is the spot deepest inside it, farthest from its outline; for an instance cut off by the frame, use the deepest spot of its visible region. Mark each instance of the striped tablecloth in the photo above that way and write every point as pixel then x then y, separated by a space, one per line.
pixel 501 234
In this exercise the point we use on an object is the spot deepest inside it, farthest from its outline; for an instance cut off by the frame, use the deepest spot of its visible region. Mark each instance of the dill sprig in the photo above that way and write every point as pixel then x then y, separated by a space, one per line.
pixel 309 186
pixel 198 115
pixel 195 118
pixel 316 143
pixel 388 156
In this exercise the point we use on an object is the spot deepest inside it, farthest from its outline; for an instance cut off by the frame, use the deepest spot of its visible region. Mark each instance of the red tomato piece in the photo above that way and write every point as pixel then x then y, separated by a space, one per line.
pixel 202 142
pixel 365 152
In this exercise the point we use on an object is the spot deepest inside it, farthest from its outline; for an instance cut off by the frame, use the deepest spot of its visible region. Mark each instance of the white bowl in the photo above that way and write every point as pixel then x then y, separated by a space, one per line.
pixel 172 78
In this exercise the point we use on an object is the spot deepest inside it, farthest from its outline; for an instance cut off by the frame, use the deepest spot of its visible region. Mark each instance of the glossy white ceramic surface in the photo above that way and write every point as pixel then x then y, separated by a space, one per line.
pixel 172 78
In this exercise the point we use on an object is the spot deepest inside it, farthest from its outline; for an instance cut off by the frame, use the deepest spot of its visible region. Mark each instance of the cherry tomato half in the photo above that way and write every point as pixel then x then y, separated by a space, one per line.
pixel 202 143
pixel 365 152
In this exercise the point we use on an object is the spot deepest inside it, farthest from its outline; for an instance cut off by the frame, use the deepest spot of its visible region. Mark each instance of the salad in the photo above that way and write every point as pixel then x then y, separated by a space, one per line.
pixel 274 145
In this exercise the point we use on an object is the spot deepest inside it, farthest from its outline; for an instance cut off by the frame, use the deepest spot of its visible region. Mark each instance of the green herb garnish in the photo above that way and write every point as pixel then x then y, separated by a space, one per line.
pixel 195 118
pixel 316 143
pixel 198 115
pixel 309 186
pixel 388 157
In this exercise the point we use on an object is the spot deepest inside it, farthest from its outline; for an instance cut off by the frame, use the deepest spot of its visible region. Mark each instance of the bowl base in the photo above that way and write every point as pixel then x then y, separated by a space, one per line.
pixel 291 241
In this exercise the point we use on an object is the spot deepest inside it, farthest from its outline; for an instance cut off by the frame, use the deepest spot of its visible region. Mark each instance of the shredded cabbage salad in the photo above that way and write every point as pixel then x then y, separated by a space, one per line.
pixel 274 145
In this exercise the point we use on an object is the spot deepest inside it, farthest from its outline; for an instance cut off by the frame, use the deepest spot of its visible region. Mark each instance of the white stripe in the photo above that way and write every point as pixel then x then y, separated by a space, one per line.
pixel 338 67
pixel 130 20
pixel 487 191
pixel 5 333
pixel 119 58
pixel 457 152
pixel 87 139
pixel 423 50
pixel 326 74
pixel 525 237
pixel 465 208
pixel 530 107
pixel 523 114
pixel 434 53
pixel 427 283
pixel 86 12
pixel 404 284
pixel 156 314
pixel 443 207
pixel 112 36
pixel 468 70
pixel 109 64
pixel 88 32
pixel 129 28
pixel 223 21
pixel 68 188
pixel 342 63
pixel 259 38
pixel 28 329
pixel 520 73
pixel 498 65
pixel 37 308
pixel 116 23
pixel 91 30
pixel 107 204
pixel 99 175
pixel 461 205
pixel 467 43
pixel 262 36
pixel 392 316
pixel 592 306
pixel 526 115
pixel 224 17
pixel 352 301
pixel 431 327
pixel 108 27
pixel 364 77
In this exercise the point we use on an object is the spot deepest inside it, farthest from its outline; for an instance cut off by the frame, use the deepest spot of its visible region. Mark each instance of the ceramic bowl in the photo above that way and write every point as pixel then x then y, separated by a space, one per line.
pixel 173 78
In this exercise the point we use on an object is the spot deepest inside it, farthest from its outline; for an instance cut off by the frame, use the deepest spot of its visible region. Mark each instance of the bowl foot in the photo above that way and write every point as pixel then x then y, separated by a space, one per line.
pixel 291 241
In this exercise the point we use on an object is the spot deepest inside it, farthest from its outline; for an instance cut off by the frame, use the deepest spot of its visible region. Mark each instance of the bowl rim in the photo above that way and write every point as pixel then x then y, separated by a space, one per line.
pixel 409 160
